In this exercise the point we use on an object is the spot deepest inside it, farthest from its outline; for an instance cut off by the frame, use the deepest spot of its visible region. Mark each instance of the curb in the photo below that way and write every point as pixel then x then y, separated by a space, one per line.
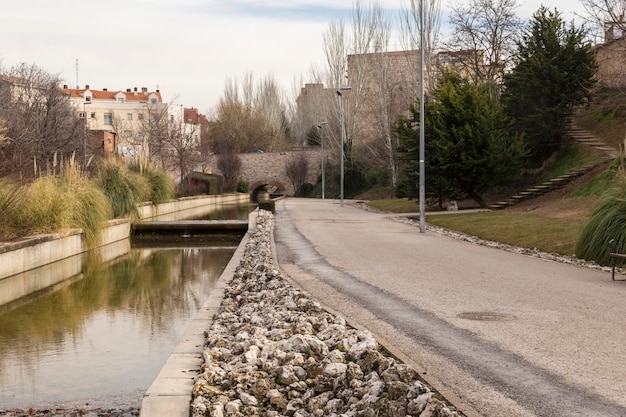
pixel 169 395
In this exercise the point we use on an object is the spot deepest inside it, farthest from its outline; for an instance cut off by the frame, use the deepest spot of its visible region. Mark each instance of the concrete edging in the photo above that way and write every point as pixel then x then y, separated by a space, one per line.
pixel 169 395
pixel 33 252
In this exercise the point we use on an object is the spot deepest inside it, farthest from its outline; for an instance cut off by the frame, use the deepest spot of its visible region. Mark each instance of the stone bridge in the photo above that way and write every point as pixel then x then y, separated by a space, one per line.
pixel 267 170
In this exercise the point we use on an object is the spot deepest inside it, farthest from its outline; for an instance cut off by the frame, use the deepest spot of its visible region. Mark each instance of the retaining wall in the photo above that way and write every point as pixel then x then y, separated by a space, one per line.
pixel 34 252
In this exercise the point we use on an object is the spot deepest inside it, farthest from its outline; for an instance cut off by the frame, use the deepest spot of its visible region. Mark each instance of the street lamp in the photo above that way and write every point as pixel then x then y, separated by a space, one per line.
pixel 343 133
pixel 321 127
pixel 422 166
pixel 85 133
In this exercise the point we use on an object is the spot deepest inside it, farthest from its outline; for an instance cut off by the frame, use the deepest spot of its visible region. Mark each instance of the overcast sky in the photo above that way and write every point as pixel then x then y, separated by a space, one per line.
pixel 186 48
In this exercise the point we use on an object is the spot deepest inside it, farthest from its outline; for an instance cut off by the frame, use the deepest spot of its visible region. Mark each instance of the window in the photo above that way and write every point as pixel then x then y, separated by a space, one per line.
pixel 127 133
pixel 140 116
pixel 153 100
pixel 129 116
pixel 81 115
pixel 93 114
pixel 108 119
pixel 141 134
pixel 120 99
pixel 88 99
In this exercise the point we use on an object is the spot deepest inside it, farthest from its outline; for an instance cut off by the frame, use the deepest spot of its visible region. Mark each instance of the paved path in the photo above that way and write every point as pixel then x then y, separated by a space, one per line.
pixel 509 334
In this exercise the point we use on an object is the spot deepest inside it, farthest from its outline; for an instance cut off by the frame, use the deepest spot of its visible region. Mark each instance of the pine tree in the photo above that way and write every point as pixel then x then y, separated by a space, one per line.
pixel 469 146
pixel 554 73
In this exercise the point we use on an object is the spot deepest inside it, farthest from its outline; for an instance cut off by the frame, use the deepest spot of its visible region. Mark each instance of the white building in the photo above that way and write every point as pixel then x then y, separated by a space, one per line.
pixel 132 114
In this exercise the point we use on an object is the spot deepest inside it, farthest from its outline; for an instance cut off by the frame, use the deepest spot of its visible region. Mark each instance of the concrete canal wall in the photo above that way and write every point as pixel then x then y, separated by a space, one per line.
pixel 36 252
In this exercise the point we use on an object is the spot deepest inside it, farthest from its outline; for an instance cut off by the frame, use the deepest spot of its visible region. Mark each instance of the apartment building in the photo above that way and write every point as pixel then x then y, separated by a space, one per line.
pixel 132 114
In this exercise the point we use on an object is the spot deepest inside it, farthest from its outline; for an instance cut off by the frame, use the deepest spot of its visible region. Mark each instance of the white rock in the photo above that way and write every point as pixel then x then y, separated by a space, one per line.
pixel 335 370
pixel 248 399
pixel 252 355
pixel 233 407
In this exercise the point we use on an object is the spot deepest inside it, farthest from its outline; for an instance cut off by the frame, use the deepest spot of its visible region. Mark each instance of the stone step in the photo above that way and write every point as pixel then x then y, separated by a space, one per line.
pixel 500 205
pixel 580 135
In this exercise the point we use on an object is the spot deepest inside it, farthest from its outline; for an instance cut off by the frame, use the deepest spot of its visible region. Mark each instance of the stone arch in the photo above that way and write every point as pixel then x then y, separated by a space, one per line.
pixel 260 187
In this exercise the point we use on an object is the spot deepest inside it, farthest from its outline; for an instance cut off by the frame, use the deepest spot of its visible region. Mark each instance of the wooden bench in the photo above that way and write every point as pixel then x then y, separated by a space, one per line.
pixel 614 257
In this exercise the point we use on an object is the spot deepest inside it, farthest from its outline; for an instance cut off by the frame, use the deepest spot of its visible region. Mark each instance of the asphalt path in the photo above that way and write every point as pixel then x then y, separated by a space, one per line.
pixel 505 334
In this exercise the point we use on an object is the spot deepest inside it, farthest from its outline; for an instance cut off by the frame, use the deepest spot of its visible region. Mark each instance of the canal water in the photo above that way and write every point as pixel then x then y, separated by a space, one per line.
pixel 101 337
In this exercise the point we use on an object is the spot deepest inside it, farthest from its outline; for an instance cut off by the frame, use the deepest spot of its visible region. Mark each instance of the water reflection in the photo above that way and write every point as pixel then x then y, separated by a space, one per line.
pixel 103 338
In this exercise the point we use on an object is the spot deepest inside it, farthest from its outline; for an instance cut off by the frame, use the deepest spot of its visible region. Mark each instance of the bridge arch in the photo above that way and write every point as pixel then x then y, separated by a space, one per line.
pixel 268 168
pixel 260 187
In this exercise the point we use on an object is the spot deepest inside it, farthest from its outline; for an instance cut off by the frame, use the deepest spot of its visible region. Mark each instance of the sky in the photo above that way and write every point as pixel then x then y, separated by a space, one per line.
pixel 188 49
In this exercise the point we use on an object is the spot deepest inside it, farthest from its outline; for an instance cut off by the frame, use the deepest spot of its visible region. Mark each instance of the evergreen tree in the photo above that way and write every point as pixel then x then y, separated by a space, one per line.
pixel 468 142
pixel 554 73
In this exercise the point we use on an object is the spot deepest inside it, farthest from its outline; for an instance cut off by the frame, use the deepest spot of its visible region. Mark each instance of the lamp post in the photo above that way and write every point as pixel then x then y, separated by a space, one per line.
pixel 321 127
pixel 422 166
pixel 85 134
pixel 343 134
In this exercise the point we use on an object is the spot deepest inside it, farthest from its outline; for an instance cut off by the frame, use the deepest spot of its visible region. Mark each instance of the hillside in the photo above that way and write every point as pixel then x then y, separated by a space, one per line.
pixel 604 117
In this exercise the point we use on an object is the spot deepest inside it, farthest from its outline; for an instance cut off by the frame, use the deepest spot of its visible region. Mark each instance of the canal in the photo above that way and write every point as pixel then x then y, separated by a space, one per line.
pixel 100 337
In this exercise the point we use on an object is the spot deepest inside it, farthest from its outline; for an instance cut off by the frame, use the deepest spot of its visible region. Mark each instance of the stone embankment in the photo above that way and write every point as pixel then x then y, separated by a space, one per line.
pixel 273 351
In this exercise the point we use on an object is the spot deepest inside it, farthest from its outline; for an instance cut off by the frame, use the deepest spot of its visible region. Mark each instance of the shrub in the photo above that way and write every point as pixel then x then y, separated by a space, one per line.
pixel 377 177
pixel 268 205
pixel 161 186
pixel 242 186
pixel 215 185
pixel 124 188
pixel 607 222
pixel 305 190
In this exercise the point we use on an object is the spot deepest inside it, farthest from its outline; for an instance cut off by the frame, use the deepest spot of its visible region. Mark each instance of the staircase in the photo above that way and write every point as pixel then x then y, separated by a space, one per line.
pixel 581 136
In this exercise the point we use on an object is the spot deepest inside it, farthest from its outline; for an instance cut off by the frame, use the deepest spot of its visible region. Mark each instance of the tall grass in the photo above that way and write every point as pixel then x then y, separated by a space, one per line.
pixel 607 222
pixel 161 186
pixel 90 206
pixel 11 201
pixel 123 187
pixel 67 200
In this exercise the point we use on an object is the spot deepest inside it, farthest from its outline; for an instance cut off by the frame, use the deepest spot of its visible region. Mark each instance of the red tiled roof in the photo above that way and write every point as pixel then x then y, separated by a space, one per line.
pixel 131 95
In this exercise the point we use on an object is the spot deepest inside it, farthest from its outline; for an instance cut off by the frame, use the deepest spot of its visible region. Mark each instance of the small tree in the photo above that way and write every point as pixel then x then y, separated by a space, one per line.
pixel 230 165
pixel 297 169
pixel 469 140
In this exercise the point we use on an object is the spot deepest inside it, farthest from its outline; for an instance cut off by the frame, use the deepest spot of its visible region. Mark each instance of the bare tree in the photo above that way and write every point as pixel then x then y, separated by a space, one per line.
pixel 297 169
pixel 152 139
pixel 336 53
pixel 40 123
pixel 250 115
pixel 606 23
pixel 238 128
pixel 183 143
pixel 486 31
pixel 607 16
pixel 229 164
pixel 270 101
pixel 411 34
